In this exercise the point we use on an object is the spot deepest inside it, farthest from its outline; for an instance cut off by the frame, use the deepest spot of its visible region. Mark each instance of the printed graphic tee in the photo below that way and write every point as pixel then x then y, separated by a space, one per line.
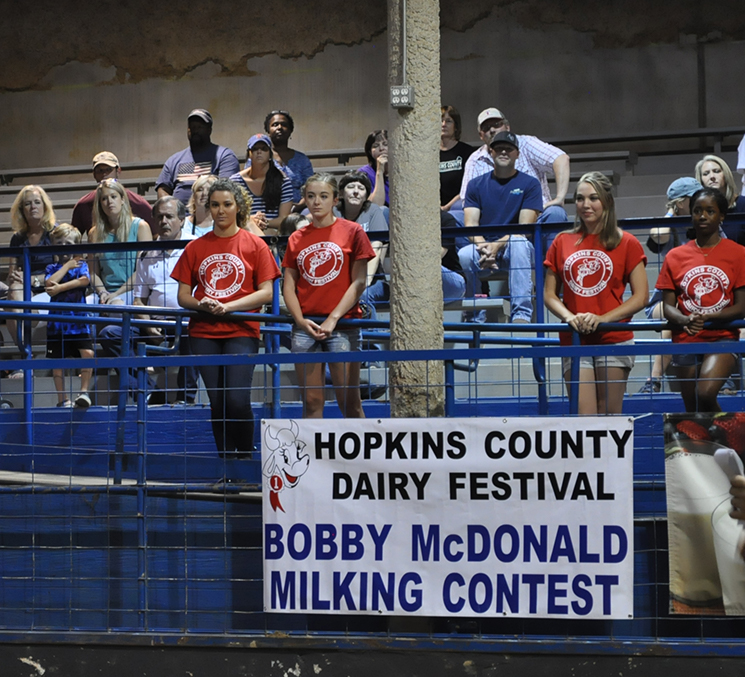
pixel 704 284
pixel 323 258
pixel 225 269
pixel 593 278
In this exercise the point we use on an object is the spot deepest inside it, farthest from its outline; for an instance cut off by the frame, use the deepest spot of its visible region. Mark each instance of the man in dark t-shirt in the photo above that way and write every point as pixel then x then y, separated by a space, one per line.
pixel 201 158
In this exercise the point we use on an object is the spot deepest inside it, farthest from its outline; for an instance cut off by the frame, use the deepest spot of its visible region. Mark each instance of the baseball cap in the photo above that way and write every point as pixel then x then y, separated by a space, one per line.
pixel 490 113
pixel 685 186
pixel 202 114
pixel 256 138
pixel 505 137
pixel 105 158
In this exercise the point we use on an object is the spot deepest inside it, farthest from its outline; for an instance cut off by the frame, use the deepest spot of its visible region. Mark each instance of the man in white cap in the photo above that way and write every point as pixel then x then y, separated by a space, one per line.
pixel 537 159
pixel 201 158
pixel 106 166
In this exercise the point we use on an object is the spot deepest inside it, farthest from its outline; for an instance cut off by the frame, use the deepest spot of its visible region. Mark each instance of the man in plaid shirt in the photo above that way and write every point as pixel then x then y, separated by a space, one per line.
pixel 537 159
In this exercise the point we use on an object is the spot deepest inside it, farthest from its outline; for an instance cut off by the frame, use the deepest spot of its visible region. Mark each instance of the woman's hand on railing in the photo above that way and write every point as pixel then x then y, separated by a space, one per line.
pixel 694 324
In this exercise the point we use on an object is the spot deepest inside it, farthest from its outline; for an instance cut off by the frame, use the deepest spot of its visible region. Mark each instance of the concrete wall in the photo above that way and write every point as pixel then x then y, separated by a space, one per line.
pixel 123 76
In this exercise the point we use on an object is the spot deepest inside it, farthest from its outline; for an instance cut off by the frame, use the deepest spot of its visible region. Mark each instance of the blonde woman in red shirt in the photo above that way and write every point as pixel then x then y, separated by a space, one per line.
pixel 325 268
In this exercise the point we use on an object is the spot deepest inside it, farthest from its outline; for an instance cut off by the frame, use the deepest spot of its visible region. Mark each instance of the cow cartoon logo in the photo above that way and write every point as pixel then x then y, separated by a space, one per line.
pixel 705 289
pixel 286 461
pixel 321 262
pixel 222 275
pixel 588 271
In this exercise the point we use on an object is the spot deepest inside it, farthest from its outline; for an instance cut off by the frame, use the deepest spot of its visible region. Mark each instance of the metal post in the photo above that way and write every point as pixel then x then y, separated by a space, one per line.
pixel 121 405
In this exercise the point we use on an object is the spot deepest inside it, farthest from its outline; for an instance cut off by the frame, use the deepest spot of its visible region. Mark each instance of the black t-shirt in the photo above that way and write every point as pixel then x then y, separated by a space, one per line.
pixel 450 260
pixel 452 164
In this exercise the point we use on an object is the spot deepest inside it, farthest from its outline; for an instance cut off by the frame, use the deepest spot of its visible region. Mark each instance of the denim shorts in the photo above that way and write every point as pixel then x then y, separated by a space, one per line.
pixel 695 359
pixel 341 341
pixel 592 362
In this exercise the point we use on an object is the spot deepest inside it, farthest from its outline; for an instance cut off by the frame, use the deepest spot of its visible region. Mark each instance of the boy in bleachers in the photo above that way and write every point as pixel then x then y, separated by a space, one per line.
pixel 66 281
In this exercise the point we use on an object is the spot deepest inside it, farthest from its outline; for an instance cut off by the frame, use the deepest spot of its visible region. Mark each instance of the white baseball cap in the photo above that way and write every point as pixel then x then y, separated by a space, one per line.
pixel 490 114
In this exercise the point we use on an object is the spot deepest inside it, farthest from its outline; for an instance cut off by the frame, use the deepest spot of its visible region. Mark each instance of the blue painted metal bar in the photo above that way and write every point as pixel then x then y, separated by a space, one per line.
pixel 24 330
pixel 142 577
pixel 449 387
pixel 574 379
pixel 121 404
pixel 539 364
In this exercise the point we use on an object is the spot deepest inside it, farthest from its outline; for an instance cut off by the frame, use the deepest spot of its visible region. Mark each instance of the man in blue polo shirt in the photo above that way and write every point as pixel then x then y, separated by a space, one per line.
pixel 500 197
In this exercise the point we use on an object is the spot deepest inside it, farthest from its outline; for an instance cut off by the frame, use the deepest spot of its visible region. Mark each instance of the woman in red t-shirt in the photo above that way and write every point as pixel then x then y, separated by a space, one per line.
pixel 325 268
pixel 701 281
pixel 226 270
pixel 590 267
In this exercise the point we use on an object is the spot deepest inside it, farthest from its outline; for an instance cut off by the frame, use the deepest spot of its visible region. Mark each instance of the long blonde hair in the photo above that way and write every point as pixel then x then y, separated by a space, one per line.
pixel 101 223
pixel 191 205
pixel 731 190
pixel 610 234
pixel 18 218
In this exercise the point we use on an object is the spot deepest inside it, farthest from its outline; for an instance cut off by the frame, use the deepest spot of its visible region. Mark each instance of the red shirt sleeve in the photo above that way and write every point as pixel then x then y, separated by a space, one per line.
pixel 664 279
pixel 266 266
pixel 361 247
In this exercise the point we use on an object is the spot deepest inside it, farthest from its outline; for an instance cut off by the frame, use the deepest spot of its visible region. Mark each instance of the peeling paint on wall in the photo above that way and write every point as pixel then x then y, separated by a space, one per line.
pixel 140 39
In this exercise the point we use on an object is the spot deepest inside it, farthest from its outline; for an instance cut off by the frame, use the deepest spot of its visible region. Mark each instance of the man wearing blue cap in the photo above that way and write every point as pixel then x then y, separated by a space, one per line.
pixel 202 157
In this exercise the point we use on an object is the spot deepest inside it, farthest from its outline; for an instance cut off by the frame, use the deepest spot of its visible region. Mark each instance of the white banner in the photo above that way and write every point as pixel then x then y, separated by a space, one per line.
pixel 528 517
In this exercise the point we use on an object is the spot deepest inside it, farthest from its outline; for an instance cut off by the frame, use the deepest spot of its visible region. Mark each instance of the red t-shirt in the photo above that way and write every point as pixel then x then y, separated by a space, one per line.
pixel 704 284
pixel 593 278
pixel 225 269
pixel 323 258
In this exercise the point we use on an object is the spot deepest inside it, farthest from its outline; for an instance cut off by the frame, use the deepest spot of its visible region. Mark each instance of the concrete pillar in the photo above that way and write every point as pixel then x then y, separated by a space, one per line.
pixel 416 285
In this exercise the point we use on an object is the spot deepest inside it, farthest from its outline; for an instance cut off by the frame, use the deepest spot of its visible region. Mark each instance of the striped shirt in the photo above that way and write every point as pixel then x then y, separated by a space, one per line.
pixel 258 204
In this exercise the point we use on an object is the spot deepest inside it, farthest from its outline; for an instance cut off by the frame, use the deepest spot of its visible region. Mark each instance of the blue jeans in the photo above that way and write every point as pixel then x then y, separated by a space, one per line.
pixel 110 338
pixel 517 258
pixel 453 287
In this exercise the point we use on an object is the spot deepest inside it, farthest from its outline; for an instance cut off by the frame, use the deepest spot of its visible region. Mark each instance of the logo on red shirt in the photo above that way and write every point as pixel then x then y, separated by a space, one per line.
pixel 321 262
pixel 588 271
pixel 705 289
pixel 222 275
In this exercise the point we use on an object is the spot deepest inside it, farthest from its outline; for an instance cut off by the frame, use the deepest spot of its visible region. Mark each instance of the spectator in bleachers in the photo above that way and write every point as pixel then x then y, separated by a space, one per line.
pixel 376 169
pixel 537 159
pixel 32 219
pixel 201 158
pixel 112 273
pixel 701 281
pixel 269 189
pixel 154 287
pixel 354 205
pixel 294 164
pixel 454 154
pixel 660 242
pixel 66 281
pixel 503 196
pixel 106 166
pixel 325 266
pixel 587 270
pixel 227 270
pixel 199 221
pixel 713 172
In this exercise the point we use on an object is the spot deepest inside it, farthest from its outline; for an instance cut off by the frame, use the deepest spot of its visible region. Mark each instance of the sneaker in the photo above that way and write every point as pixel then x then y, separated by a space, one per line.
pixel 651 387
pixel 65 404
pixel 83 401
pixel 729 387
